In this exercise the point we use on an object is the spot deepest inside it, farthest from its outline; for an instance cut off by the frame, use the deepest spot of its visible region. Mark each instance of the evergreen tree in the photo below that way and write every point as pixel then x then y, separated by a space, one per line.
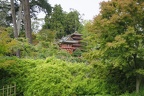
pixel 63 23
pixel 55 21
pixel 72 22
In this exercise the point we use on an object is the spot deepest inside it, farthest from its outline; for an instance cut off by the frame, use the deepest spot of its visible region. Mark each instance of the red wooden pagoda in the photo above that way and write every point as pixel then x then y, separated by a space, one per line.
pixel 71 42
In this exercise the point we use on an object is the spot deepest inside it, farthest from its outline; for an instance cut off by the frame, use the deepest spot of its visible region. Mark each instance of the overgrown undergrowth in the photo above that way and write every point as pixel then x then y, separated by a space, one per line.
pixel 52 77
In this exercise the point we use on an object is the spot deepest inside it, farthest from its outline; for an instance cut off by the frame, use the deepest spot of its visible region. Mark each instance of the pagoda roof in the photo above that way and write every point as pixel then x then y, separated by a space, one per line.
pixel 69 39
pixel 76 33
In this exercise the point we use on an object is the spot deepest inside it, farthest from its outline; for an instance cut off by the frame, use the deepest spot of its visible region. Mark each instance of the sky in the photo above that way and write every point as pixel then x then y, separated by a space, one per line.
pixel 87 8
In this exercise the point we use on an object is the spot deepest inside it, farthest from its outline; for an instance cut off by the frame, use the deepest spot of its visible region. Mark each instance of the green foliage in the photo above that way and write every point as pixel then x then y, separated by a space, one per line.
pixel 6 43
pixel 49 77
pixel 63 23
pixel 42 5
pixel 46 35
pixel 36 6
pixel 57 77
pixel 5 18
pixel 42 49
pixel 72 22
pixel 134 93
pixel 115 43
pixel 55 21
pixel 14 70
pixel 77 53
pixel 113 54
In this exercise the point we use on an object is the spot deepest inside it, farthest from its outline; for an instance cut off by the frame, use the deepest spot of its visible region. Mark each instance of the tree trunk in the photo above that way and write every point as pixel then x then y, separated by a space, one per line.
pixel 19 18
pixel 138 76
pixel 15 25
pixel 138 81
pixel 27 20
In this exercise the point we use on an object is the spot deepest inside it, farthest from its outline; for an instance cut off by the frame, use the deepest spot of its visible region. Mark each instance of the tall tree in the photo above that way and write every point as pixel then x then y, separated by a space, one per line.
pixel 15 25
pixel 41 5
pixel 55 21
pixel 63 23
pixel 36 6
pixel 119 39
pixel 27 20
pixel 72 22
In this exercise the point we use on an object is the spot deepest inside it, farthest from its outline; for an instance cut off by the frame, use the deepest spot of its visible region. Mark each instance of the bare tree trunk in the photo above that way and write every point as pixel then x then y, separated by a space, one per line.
pixel 27 20
pixel 15 25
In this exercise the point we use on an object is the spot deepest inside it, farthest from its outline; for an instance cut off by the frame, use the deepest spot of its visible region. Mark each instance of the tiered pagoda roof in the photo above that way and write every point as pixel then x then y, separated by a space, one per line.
pixel 71 42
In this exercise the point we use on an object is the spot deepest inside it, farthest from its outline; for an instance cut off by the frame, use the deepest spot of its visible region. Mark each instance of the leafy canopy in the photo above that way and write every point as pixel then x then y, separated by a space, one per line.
pixel 118 39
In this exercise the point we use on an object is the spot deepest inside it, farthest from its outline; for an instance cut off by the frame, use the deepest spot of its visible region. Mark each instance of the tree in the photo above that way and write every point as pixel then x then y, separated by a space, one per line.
pixel 63 23
pixel 29 10
pixel 41 5
pixel 119 39
pixel 72 22
pixel 36 6
pixel 55 21
pixel 5 7
pixel 27 20
pixel 15 25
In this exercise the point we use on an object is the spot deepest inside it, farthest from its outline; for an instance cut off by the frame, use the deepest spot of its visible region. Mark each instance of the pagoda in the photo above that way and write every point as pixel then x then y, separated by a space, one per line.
pixel 71 42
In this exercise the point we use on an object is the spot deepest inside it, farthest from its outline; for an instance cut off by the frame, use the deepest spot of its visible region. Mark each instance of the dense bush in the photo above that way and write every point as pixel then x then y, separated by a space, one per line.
pixel 57 77
pixel 50 77
pixel 7 43
pixel 54 76
pixel 14 70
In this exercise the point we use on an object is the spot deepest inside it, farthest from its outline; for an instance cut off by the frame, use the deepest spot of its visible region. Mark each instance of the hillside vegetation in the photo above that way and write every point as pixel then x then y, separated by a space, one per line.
pixel 109 63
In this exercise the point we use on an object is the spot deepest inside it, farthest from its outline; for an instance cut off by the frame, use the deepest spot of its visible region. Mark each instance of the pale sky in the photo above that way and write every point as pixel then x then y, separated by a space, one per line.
pixel 89 8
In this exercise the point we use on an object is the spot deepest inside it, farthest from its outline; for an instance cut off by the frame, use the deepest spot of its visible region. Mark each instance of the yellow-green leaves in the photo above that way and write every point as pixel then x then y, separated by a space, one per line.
pixel 118 42
pixel 6 43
